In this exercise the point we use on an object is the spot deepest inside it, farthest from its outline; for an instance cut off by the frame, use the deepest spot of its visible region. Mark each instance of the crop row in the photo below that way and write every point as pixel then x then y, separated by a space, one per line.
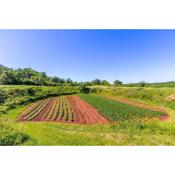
pixel 66 109
pixel 115 110
pixel 52 109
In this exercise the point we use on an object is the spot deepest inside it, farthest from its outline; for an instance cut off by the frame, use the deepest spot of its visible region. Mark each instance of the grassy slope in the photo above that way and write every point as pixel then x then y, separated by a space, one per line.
pixel 122 133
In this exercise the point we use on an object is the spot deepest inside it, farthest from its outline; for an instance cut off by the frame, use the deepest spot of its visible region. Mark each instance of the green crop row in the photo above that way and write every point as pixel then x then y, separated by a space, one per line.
pixel 115 110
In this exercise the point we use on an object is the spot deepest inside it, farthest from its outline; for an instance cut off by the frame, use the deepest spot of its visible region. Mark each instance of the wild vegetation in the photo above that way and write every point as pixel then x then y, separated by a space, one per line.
pixel 28 76
pixel 164 96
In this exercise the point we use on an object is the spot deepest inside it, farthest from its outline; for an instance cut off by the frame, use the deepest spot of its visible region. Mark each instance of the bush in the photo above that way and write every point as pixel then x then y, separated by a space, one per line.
pixel 84 89
pixel 3 96
pixel 10 136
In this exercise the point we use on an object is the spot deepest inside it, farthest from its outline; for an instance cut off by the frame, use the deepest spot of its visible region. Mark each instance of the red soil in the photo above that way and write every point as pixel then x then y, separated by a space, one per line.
pixel 87 114
pixel 164 118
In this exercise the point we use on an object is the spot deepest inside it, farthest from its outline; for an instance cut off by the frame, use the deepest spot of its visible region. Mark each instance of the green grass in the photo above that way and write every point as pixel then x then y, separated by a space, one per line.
pixel 150 94
pixel 115 110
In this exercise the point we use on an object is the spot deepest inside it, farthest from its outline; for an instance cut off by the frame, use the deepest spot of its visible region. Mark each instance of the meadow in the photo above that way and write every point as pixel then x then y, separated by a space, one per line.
pixel 129 126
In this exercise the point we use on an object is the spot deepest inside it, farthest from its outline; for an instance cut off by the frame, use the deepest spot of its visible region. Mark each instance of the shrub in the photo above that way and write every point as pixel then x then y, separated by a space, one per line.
pixel 3 96
pixel 10 136
pixel 84 89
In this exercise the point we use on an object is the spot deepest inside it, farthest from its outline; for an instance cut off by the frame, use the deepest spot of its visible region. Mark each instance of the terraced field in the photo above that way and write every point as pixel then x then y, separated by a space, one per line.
pixel 63 109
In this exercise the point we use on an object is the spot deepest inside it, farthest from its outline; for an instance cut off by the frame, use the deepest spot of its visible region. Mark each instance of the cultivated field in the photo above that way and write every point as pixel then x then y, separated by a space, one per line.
pixel 63 109
pixel 114 110
pixel 72 109
pixel 33 115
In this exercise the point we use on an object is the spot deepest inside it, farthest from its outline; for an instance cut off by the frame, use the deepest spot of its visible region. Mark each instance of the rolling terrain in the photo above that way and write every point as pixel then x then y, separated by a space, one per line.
pixel 66 118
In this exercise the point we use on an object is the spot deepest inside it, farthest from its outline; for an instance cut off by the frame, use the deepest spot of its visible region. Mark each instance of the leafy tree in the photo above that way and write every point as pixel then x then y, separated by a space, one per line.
pixel 75 83
pixel 117 83
pixel 142 83
pixel 56 80
pixel 69 81
pixel 105 83
pixel 96 82
pixel 84 89
pixel 7 77
pixel 27 76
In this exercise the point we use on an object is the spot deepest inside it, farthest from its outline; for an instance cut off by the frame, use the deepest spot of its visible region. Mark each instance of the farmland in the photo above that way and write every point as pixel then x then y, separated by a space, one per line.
pixel 58 116
pixel 62 109
pixel 116 110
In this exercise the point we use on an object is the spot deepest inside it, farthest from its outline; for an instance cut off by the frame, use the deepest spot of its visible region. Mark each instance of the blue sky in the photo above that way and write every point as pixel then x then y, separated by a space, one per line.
pixel 127 55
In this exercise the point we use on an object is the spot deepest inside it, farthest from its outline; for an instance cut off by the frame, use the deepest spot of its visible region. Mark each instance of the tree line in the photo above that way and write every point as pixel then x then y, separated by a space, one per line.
pixel 28 76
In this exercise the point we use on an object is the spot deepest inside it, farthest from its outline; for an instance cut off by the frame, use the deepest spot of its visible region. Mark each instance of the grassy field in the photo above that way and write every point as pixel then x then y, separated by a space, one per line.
pixel 123 132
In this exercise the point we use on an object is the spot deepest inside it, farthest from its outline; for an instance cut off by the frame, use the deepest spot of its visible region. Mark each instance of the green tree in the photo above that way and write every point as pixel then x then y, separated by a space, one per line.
pixel 96 82
pixel 142 83
pixel 105 83
pixel 117 83
pixel 69 81
pixel 84 89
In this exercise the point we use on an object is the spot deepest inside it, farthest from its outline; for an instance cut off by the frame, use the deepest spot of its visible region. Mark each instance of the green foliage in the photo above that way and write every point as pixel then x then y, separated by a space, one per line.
pixel 144 84
pixel 11 136
pixel 2 96
pixel 69 81
pixel 28 76
pixel 84 89
pixel 96 82
pixel 12 96
pixel 105 83
pixel 117 83
pixel 86 83
pixel 115 110
pixel 58 80
pixel 159 96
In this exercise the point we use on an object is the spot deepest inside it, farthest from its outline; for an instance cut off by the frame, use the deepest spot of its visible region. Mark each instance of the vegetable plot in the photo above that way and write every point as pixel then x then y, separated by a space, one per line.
pixel 63 109
pixel 114 110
